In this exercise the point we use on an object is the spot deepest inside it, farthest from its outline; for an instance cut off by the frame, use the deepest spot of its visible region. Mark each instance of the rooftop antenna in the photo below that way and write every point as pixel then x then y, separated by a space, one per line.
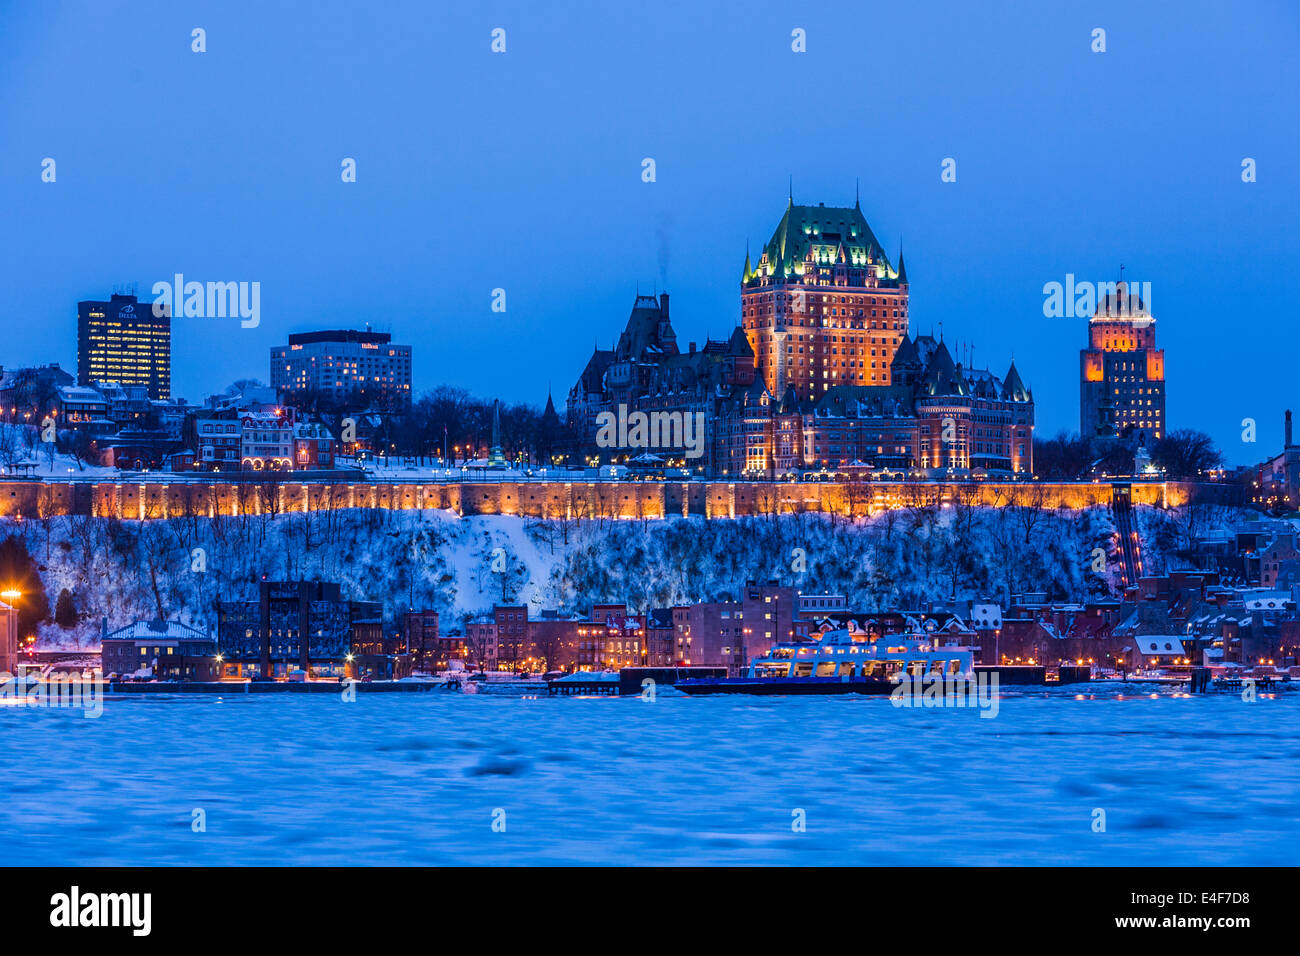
pixel 857 192
pixel 790 196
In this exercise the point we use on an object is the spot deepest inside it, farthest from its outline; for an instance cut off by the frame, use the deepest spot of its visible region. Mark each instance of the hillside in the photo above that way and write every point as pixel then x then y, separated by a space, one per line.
pixel 126 570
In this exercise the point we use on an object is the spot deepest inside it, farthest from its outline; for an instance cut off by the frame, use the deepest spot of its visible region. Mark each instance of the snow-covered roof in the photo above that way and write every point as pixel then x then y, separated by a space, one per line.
pixel 156 631
pixel 1153 644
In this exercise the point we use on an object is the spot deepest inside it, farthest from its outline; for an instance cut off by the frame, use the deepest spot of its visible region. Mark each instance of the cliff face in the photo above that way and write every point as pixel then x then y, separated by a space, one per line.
pixel 435 559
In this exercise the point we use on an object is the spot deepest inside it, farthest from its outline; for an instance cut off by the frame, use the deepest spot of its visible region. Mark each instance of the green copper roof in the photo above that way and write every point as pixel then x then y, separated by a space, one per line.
pixel 1013 388
pixel 827 231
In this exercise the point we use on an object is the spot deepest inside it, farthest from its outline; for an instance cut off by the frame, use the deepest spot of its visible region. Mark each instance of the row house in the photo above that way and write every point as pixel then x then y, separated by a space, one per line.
pixel 258 438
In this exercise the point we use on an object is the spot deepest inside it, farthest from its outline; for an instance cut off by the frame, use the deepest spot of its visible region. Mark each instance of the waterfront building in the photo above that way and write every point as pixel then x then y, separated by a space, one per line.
pixel 730 632
pixel 299 625
pixel 481 642
pixel 165 650
pixel 122 340
pixel 342 368
pixel 1121 372
pixel 430 648
pixel 8 638
pixel 659 633
pixel 810 604
pixel 511 639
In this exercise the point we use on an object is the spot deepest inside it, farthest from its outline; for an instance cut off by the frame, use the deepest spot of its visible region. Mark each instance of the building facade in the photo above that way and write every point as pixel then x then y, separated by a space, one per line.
pixel 124 341
pixel 344 367
pixel 431 650
pixel 27 395
pixel 296 625
pixel 1277 481
pixel 8 638
pixel 822 374
pixel 266 439
pixel 823 306
pixel 1121 372
pixel 935 415
pixel 165 650
pixel 730 633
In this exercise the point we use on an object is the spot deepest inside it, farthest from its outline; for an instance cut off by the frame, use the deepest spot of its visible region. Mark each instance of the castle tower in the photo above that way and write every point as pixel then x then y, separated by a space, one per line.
pixel 823 306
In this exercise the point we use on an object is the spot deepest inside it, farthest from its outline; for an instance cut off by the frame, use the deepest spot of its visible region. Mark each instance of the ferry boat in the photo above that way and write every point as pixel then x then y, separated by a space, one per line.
pixel 843 662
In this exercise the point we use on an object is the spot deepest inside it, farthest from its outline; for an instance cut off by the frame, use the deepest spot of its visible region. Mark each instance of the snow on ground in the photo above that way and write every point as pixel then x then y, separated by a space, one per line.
pixel 463 566
pixel 21 445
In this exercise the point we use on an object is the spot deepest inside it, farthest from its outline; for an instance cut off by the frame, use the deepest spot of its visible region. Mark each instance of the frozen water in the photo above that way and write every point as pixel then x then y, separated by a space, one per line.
pixel 416 778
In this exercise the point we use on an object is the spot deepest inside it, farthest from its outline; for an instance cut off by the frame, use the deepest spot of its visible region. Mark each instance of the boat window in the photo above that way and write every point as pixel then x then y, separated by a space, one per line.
pixel 846 669
pixel 954 667
pixel 826 669
pixel 802 669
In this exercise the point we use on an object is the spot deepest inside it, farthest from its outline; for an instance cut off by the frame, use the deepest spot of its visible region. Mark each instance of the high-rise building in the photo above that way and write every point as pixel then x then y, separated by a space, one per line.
pixel 823 305
pixel 343 367
pixel 1121 372
pixel 124 341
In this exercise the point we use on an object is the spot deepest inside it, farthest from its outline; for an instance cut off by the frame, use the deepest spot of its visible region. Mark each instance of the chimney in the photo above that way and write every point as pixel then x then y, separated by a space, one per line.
pixel 103 624
pixel 663 305
pixel 1288 429
pixel 693 352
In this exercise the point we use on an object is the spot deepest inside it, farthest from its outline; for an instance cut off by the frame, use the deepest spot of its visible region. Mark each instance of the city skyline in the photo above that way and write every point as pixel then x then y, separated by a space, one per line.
pixel 532 198
pixel 549 435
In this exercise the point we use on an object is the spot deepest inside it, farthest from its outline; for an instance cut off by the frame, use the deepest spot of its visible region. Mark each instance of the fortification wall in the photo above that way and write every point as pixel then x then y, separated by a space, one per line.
pixel 160 497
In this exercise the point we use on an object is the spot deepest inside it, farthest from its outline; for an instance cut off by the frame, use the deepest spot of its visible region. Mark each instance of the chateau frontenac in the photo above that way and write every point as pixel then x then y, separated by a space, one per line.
pixel 822 373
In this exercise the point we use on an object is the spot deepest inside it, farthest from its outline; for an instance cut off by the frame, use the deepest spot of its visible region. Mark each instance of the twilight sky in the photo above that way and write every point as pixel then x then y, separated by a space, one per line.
pixel 522 171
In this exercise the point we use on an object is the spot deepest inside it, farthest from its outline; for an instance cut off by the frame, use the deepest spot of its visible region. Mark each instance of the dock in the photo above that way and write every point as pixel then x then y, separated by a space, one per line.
pixel 267 687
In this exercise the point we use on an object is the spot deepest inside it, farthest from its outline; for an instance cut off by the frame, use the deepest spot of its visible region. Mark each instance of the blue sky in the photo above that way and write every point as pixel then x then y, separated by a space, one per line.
pixel 522 171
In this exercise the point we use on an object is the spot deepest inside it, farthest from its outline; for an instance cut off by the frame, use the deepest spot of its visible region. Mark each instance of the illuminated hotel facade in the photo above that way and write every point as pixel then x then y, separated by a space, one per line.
pixel 823 305
pixel 349 367
pixel 123 341
pixel 821 374
pixel 1121 372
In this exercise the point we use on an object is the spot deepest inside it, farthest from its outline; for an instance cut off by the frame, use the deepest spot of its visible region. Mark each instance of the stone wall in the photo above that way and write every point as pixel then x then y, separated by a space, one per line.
pixel 159 498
